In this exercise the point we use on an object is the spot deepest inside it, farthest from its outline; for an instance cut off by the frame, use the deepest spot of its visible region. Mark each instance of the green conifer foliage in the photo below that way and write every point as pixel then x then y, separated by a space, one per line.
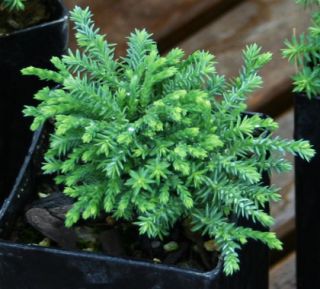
pixel 308 2
pixel 303 52
pixel 13 4
pixel 156 139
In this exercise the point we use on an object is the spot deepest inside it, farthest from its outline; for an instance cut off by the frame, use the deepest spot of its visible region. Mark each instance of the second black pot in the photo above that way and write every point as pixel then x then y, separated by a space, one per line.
pixel 307 126
pixel 31 46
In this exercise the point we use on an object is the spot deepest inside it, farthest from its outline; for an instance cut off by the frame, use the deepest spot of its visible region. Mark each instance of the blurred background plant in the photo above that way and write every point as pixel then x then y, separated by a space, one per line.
pixel 304 52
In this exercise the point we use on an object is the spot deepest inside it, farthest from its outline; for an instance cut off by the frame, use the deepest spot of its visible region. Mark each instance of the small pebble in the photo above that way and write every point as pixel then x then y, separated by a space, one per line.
pixel 156 260
pixel 171 246
pixel 42 195
pixel 14 24
pixel 88 249
pixel 110 221
pixel 210 246
pixel 155 244
pixel 45 242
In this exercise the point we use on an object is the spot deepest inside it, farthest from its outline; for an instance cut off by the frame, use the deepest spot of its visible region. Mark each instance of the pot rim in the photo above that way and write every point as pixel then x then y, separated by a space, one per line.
pixel 304 96
pixel 99 256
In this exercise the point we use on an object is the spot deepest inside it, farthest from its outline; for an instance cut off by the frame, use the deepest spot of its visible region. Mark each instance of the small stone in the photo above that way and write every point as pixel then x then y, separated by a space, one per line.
pixel 45 243
pixel 156 260
pixel 42 195
pixel 171 246
pixel 155 244
pixel 110 221
pixel 14 24
pixel 175 257
pixel 88 249
pixel 210 246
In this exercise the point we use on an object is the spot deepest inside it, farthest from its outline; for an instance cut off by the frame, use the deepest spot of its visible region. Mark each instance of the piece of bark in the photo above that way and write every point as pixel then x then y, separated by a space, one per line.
pixel 57 204
pixel 51 227
pixel 54 200
pixel 60 212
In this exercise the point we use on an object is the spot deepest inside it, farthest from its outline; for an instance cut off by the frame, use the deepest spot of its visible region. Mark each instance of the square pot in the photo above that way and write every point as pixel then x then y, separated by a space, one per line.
pixel 30 46
pixel 33 267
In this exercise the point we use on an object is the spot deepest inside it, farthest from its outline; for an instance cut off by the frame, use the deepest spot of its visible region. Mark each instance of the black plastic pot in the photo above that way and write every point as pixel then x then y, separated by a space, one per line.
pixel 31 46
pixel 307 126
pixel 33 267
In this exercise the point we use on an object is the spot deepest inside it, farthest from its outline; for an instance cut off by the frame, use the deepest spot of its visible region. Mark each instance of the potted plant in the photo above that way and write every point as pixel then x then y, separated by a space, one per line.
pixel 31 32
pixel 303 51
pixel 158 152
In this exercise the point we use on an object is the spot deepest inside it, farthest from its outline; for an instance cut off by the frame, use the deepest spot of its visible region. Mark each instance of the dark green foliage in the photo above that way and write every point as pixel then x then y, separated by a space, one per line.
pixel 12 4
pixel 155 139
pixel 303 51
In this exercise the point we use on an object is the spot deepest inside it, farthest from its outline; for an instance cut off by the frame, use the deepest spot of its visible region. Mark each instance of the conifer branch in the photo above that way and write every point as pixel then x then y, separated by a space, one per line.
pixel 12 4
pixel 303 52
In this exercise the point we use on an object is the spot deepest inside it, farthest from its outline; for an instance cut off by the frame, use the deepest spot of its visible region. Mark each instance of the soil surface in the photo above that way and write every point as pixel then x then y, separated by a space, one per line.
pixel 35 12
pixel 43 224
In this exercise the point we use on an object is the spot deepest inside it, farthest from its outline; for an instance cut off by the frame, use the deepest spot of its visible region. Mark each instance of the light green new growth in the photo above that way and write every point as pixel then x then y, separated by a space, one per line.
pixel 13 4
pixel 146 138
pixel 303 51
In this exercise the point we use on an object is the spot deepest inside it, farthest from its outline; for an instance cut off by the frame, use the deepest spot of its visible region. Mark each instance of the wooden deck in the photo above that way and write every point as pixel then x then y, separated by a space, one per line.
pixel 282 274
pixel 224 27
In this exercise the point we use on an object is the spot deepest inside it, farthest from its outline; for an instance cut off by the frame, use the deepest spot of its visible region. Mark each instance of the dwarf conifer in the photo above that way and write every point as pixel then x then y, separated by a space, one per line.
pixel 156 139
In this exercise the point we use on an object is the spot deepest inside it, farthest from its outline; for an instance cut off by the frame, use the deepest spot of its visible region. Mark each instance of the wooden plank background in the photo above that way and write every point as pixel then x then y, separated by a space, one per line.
pixel 169 21
pixel 267 23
